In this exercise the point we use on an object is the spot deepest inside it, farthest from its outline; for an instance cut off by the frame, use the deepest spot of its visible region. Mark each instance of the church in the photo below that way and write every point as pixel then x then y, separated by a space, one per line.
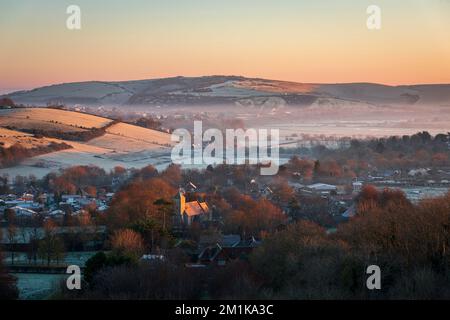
pixel 192 211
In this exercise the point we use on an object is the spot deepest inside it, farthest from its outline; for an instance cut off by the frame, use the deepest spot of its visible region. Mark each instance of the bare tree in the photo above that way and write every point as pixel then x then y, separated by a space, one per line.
pixel 51 247
pixel 127 242
pixel 12 233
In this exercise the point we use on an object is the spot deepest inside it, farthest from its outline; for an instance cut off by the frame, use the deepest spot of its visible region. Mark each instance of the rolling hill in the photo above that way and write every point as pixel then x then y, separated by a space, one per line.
pixel 228 90
pixel 115 144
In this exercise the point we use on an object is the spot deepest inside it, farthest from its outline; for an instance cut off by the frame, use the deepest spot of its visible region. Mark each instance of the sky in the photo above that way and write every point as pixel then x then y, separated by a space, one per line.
pixel 320 41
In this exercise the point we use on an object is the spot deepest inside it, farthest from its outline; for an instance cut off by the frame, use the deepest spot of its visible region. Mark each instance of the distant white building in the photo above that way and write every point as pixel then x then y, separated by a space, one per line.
pixel 56 213
pixel 418 172
pixel 23 212
pixel 102 208
pixel 152 257
pixel 321 188
pixel 296 185
pixel 71 198
pixel 27 197
pixel 357 186
pixel 23 204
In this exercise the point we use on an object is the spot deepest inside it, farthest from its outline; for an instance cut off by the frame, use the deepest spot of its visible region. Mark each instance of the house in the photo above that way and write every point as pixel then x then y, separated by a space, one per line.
pixel 23 204
pixel 350 212
pixel 295 185
pixel 152 257
pixel 209 254
pixel 249 243
pixel 10 197
pixel 418 172
pixel 27 197
pixel 192 211
pixel 109 196
pixel 230 240
pixel 70 198
pixel 56 213
pixel 45 198
pixel 321 188
pixel 102 208
pixel 297 175
pixel 220 255
pixel 357 186
pixel 390 173
pixel 23 212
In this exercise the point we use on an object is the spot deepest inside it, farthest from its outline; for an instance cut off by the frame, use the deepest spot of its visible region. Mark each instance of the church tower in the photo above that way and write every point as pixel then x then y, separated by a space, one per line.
pixel 180 202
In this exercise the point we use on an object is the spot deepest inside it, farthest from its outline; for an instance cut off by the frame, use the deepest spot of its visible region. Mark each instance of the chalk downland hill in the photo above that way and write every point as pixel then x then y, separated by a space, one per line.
pixel 227 90
pixel 113 144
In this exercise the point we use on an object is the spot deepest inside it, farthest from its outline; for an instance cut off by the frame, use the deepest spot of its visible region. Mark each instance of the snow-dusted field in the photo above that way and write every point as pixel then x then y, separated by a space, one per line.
pixel 34 286
pixel 415 194
pixel 6 133
pixel 77 258
pixel 83 154
pixel 91 89
pixel 140 134
pixel 123 144
pixel 50 118
pixel 357 130
pixel 11 137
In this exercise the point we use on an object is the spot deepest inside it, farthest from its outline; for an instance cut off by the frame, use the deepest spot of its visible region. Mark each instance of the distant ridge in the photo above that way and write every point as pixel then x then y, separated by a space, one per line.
pixel 227 90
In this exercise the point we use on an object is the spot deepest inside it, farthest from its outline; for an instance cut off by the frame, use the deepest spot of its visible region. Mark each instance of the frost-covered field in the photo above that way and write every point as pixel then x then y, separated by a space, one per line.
pixel 36 286
pixel 85 155
pixel 139 134
pixel 355 129
pixel 48 118
pixel 5 133
pixel 357 121
pixel 28 141
pixel 123 145
pixel 40 285
pixel 78 258
pixel 415 194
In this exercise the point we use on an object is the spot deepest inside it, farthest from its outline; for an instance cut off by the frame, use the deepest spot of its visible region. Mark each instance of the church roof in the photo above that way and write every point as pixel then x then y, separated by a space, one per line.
pixel 195 208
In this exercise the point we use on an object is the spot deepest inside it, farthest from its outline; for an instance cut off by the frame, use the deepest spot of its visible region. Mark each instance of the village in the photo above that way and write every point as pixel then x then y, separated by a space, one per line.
pixel 206 217
pixel 45 227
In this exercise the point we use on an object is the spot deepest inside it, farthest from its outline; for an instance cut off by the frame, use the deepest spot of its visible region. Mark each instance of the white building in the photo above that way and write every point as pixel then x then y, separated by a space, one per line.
pixel 321 188
pixel 23 212
pixel 357 186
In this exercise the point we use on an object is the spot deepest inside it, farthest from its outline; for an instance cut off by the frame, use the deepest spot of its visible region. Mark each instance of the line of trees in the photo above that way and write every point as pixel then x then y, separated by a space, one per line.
pixel 84 135
pixel 8 288
pixel 16 153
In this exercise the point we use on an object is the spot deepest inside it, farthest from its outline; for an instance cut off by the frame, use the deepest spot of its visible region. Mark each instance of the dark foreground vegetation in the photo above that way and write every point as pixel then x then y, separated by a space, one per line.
pixel 409 242
pixel 8 289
